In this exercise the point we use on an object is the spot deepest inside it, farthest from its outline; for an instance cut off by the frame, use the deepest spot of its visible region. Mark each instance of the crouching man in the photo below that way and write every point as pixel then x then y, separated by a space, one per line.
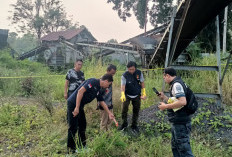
pixel 84 94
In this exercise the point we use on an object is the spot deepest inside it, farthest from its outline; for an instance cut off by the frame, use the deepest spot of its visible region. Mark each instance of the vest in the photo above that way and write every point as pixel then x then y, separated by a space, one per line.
pixel 180 116
pixel 133 86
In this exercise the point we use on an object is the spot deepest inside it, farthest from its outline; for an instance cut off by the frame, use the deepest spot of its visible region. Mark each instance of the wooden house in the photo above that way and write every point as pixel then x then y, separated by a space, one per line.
pixel 60 54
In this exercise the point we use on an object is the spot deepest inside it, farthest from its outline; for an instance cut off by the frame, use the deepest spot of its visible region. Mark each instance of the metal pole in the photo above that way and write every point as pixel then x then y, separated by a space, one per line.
pixel 218 58
pixel 170 36
pixel 169 41
pixel 227 65
pixel 225 30
pixel 127 57
pixel 179 31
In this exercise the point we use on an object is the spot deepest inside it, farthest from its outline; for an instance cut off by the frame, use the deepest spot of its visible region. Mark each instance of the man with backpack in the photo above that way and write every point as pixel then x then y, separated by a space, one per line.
pixel 179 112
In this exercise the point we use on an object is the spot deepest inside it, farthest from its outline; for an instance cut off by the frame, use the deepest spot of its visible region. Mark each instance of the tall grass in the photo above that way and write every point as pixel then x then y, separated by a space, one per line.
pixel 29 130
pixel 199 81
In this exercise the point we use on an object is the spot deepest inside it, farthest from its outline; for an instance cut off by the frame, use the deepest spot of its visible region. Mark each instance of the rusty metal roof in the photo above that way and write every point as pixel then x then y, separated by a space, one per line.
pixel 68 34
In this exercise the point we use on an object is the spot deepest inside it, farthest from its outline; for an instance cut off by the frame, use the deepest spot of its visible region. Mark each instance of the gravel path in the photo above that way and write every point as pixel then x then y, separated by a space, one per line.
pixel 208 120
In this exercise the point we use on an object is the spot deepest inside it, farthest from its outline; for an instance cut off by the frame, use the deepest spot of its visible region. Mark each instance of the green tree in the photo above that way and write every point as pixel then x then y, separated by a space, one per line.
pixel 158 10
pixel 22 44
pixel 40 16
pixel 112 41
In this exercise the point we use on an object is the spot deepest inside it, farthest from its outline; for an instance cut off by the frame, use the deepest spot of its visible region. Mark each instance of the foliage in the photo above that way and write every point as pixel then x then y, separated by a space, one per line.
pixel 40 16
pixel 112 41
pixel 194 50
pixel 38 126
pixel 22 44
pixel 29 130
pixel 158 10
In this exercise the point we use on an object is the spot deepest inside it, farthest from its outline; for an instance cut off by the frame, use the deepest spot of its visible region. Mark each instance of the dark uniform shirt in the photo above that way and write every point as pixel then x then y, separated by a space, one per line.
pixel 132 83
pixel 92 87
pixel 75 79
pixel 107 96
pixel 180 116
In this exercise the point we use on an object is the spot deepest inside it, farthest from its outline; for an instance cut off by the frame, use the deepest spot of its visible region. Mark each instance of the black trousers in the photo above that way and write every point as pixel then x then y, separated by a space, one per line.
pixel 77 123
pixel 136 102
pixel 181 140
pixel 69 94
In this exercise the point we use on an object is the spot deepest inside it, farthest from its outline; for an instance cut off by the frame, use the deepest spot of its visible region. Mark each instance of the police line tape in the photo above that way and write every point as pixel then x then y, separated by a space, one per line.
pixel 19 77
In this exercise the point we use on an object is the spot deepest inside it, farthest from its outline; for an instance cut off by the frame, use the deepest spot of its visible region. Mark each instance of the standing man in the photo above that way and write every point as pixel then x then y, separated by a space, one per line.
pixel 84 94
pixel 107 96
pixel 132 83
pixel 74 78
pixel 180 120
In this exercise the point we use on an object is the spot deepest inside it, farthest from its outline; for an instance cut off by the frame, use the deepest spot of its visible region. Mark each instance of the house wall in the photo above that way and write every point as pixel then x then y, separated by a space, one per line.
pixel 59 54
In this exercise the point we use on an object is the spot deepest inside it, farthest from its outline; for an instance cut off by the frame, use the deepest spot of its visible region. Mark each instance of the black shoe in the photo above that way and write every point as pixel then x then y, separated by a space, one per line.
pixel 70 150
pixel 123 126
pixel 135 129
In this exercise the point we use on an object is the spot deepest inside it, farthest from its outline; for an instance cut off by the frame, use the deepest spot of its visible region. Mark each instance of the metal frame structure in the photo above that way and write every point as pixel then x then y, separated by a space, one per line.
pixel 169 60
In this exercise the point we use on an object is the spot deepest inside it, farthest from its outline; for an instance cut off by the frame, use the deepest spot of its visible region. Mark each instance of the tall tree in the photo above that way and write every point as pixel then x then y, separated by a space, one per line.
pixel 160 10
pixel 157 9
pixel 40 16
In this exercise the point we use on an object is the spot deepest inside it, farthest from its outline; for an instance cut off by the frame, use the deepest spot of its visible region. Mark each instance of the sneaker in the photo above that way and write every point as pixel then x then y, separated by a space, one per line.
pixel 135 129
pixel 70 151
pixel 123 126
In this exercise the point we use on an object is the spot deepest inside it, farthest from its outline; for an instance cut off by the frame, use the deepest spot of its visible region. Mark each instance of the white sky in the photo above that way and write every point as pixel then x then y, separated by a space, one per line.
pixel 96 15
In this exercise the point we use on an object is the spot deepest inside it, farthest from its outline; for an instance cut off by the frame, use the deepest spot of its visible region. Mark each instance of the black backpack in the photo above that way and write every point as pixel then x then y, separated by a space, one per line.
pixel 192 103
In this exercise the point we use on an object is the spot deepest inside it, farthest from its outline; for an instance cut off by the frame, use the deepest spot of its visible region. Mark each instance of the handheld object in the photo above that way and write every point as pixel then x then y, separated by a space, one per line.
pixel 156 91
pixel 116 123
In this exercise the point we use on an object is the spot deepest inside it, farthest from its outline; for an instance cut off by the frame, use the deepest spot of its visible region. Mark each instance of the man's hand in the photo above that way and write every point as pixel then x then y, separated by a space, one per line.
pixel 75 112
pixel 143 97
pixel 123 97
pixel 162 96
pixel 111 116
pixel 162 106
pixel 66 96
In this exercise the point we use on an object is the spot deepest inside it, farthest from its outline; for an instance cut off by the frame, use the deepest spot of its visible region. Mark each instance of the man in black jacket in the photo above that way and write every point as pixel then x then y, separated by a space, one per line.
pixel 132 83
pixel 178 117
pixel 84 94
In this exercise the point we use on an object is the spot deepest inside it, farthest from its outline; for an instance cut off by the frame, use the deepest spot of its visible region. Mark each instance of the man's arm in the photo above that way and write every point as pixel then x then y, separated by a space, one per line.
pixel 123 87
pixel 142 85
pixel 103 104
pixel 177 104
pixel 66 89
pixel 144 95
pixel 80 94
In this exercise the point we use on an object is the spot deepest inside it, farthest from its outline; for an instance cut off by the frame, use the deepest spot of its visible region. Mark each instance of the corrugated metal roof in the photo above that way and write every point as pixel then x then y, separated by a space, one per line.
pixel 68 34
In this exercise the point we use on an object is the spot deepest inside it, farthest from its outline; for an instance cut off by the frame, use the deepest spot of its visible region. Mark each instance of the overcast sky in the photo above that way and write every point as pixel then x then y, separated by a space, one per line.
pixel 96 15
